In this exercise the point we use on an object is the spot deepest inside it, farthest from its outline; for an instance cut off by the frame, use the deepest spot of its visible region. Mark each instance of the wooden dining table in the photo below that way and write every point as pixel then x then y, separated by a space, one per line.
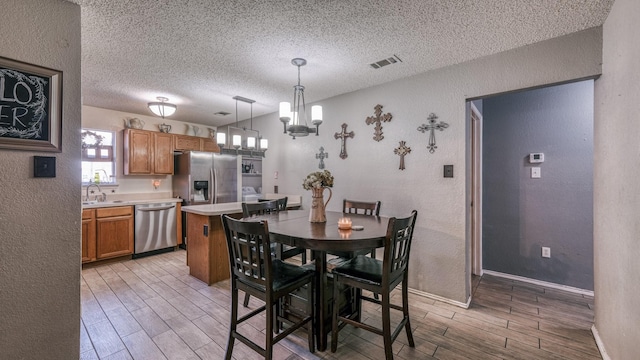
pixel 293 228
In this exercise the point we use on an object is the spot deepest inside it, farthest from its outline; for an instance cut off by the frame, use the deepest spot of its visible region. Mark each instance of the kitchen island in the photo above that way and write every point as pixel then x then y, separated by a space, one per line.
pixel 207 255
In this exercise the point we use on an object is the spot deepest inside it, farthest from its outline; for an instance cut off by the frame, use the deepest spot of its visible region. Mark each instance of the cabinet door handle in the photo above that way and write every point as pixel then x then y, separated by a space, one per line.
pixel 205 230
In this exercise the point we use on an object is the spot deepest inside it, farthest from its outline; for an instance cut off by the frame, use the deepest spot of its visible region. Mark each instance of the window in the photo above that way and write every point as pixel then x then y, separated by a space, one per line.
pixel 98 157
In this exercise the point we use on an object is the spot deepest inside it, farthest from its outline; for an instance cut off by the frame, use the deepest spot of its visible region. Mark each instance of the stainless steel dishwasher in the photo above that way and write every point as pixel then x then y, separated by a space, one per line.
pixel 155 228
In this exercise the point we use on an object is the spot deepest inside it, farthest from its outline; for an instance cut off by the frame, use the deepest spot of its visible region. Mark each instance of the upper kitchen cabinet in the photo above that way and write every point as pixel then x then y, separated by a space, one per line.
pixel 194 143
pixel 147 152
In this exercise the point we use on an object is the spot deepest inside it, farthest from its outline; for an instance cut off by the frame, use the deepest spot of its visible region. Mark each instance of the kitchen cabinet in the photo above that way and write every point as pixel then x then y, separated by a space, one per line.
pixel 88 235
pixel 185 143
pixel 114 232
pixel 207 144
pixel 194 143
pixel 107 233
pixel 147 152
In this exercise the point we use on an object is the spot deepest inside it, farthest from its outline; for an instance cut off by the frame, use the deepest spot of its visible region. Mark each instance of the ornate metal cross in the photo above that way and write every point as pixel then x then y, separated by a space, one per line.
pixel 402 150
pixel 321 155
pixel 431 128
pixel 344 135
pixel 378 118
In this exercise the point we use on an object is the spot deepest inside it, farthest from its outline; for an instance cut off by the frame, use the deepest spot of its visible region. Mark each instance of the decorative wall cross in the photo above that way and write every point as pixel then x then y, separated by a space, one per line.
pixel 378 118
pixel 402 150
pixel 431 128
pixel 344 135
pixel 321 155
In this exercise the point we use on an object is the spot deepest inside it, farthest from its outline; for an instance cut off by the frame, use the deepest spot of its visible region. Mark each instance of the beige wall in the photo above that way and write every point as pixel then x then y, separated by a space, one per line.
pixel 616 185
pixel 438 263
pixel 40 218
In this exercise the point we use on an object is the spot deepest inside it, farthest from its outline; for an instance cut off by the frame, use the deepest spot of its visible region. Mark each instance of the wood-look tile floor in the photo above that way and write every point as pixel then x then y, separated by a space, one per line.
pixel 151 308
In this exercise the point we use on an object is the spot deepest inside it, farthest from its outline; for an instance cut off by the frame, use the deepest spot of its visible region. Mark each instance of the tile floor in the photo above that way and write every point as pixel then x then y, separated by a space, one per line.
pixel 151 308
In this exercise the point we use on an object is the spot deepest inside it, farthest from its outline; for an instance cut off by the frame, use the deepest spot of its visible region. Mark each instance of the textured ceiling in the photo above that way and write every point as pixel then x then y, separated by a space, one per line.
pixel 201 53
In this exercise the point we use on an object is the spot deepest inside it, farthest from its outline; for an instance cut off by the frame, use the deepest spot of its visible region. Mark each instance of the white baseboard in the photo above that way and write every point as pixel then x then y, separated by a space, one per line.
pixel 570 289
pixel 440 298
pixel 599 343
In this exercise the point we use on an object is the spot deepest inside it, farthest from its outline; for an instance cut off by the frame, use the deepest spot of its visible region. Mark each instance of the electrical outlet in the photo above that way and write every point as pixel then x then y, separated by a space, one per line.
pixel 546 252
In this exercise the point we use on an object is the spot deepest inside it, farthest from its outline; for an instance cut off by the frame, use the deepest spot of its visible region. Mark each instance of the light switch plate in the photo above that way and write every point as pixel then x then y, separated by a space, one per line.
pixel 44 166
pixel 535 172
pixel 448 171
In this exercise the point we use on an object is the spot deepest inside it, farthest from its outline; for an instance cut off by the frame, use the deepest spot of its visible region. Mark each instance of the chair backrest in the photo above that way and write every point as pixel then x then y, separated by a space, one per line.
pixel 249 250
pixel 361 207
pixel 281 203
pixel 259 208
pixel 397 245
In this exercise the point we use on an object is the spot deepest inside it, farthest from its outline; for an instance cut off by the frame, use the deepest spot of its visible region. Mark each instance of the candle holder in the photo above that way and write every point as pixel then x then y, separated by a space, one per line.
pixel 344 223
pixel 344 233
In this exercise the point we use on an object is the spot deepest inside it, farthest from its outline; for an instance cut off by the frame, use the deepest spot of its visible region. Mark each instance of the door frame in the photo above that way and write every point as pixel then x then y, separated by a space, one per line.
pixel 475 117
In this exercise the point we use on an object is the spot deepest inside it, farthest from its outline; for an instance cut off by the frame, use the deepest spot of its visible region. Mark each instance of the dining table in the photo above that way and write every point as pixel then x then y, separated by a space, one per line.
pixel 293 228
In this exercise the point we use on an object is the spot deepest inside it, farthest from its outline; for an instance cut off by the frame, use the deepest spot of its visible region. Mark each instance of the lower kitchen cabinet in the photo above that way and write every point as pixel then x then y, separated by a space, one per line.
pixel 88 235
pixel 109 234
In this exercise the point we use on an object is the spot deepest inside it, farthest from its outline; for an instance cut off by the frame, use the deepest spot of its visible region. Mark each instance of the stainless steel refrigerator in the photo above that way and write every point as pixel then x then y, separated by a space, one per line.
pixel 205 178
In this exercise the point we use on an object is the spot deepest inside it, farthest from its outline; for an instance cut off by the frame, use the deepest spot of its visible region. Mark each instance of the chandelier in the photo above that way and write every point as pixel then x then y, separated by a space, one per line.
pixel 253 145
pixel 162 108
pixel 293 113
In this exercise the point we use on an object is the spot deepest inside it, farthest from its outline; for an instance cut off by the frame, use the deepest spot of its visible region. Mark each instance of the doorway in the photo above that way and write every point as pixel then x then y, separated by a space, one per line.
pixel 520 204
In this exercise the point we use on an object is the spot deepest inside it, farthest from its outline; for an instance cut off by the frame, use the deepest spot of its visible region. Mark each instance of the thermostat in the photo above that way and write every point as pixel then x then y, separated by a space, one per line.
pixel 536 158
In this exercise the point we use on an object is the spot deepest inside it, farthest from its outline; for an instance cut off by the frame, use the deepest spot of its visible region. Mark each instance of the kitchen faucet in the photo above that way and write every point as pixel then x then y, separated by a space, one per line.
pixel 86 198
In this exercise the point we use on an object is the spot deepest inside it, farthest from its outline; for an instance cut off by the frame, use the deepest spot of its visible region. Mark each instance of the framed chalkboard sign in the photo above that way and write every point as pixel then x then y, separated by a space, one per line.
pixel 30 107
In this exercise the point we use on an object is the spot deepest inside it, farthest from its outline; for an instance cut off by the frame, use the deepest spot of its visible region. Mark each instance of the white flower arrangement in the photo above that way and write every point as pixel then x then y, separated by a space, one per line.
pixel 317 180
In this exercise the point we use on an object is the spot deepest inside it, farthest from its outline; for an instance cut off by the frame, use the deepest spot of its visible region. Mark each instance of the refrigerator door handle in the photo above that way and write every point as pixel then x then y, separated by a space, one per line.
pixel 214 183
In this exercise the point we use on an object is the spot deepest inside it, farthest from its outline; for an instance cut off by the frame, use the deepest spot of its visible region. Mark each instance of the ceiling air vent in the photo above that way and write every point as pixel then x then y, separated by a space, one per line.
pixel 222 113
pixel 388 61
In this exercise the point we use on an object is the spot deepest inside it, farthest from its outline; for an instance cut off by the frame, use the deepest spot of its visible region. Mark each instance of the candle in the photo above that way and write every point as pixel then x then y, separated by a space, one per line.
pixel 344 223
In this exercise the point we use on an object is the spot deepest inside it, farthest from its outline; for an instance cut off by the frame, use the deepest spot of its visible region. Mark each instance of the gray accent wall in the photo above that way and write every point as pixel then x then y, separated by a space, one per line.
pixel 522 214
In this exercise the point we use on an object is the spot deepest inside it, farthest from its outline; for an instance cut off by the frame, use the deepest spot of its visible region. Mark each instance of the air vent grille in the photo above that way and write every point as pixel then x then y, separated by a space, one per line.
pixel 384 62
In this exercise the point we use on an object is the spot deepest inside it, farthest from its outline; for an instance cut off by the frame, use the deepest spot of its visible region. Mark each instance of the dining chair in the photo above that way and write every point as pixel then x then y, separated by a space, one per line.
pixel 255 271
pixel 280 251
pixel 280 203
pixel 379 277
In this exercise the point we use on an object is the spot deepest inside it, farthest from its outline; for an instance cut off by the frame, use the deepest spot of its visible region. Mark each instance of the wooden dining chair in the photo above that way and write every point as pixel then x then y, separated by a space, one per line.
pixel 363 272
pixel 280 251
pixel 280 203
pixel 255 271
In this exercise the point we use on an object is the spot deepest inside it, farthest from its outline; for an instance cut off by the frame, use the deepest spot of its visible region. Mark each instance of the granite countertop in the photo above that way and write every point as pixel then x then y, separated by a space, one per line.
pixel 225 208
pixel 214 209
pixel 94 204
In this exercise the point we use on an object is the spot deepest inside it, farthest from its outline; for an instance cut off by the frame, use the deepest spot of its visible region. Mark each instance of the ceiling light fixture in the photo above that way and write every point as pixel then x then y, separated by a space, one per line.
pixel 293 114
pixel 162 108
pixel 251 145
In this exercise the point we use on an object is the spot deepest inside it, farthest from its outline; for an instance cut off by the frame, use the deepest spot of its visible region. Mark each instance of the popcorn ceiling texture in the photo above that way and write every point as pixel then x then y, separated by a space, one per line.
pixel 201 53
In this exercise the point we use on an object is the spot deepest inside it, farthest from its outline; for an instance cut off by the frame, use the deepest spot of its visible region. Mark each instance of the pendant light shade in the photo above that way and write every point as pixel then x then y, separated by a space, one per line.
pixel 161 107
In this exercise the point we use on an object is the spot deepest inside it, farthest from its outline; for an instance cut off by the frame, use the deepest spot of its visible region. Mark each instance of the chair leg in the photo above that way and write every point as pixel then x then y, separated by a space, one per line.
pixel 270 308
pixel 234 320
pixel 334 316
pixel 311 326
pixel 405 310
pixel 386 327
pixel 304 256
pixel 373 256
pixel 246 299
